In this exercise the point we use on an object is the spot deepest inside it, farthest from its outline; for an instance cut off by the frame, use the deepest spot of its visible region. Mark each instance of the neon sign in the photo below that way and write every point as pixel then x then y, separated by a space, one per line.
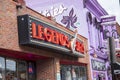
pixel 35 32
pixel 49 35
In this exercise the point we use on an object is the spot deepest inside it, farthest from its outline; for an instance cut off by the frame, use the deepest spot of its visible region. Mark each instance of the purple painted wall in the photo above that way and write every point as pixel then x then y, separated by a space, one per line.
pixel 98 43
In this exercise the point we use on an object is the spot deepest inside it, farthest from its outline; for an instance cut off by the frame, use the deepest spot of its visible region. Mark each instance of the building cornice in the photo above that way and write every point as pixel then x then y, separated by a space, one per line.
pixel 94 7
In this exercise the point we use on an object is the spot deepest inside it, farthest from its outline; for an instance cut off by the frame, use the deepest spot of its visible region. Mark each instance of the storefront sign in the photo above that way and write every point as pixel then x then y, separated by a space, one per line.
pixel 97 65
pixel 108 20
pixel 33 31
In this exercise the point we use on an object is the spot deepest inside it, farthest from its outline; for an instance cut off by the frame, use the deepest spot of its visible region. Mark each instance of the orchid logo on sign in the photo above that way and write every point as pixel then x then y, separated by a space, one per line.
pixel 70 19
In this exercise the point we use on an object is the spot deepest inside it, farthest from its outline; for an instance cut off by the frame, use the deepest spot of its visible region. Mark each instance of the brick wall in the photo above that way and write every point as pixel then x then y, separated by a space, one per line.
pixel 8 25
pixel 45 69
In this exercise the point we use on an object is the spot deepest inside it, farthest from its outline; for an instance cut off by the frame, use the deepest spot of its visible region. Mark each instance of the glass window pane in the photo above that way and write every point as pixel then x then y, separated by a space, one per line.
pixel 66 72
pixel 31 71
pixel 83 73
pixel 10 69
pixel 75 72
pixel 2 68
pixel 22 70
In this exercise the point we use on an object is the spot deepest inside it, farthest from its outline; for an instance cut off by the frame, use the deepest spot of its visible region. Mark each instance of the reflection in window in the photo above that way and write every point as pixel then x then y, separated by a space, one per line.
pixel 22 69
pixel 80 73
pixel 66 73
pixel 31 71
pixel 73 72
pixel 114 32
pixel 106 32
pixel 10 69
pixel 17 69
pixel 2 68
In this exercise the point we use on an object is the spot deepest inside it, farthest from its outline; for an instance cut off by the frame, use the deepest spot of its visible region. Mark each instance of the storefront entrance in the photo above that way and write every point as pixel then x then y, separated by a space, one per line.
pixel 73 72
pixel 14 69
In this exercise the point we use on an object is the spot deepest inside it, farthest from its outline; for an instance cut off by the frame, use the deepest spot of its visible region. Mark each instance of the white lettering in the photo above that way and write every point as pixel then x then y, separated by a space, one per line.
pixel 54 11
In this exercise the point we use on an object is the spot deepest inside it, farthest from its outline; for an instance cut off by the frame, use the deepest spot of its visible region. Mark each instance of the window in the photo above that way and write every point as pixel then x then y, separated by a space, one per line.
pixel 114 32
pixel 80 72
pixel 84 3
pixel 70 72
pixel 97 33
pixel 11 69
pixel 31 71
pixel 89 23
pixel 66 72
pixel 2 68
pixel 22 70
pixel 106 32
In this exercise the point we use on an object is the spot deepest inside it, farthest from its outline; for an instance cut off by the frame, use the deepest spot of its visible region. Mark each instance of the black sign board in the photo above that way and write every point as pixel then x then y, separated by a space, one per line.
pixel 30 31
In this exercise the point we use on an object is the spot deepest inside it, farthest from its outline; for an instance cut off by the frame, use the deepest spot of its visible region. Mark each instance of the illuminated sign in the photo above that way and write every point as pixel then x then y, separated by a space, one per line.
pixel 35 32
